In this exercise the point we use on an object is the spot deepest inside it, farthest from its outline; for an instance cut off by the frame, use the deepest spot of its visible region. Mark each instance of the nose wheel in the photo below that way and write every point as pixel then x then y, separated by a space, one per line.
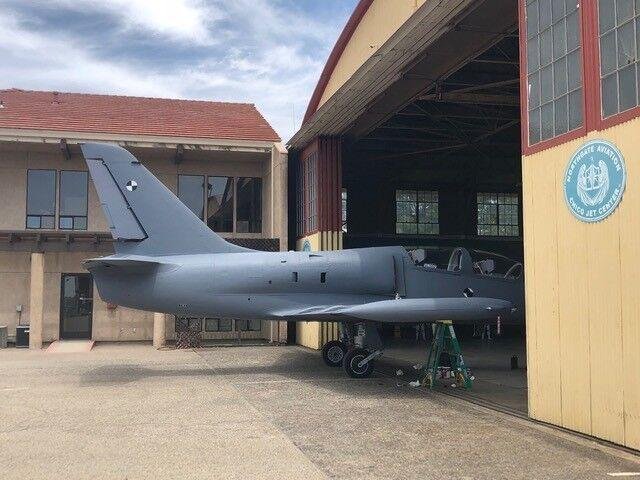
pixel 333 353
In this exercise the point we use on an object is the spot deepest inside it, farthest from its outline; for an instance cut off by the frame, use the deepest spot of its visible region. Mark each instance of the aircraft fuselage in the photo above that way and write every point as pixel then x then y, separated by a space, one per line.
pixel 265 285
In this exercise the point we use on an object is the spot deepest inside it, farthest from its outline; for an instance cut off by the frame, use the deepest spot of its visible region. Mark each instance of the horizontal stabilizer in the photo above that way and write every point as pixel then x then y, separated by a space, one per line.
pixel 129 263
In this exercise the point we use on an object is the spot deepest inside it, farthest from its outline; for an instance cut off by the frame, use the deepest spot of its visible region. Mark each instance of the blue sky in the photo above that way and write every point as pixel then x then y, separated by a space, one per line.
pixel 267 52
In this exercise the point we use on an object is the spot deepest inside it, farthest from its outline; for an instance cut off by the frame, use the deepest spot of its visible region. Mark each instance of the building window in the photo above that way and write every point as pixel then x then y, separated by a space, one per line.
pixel 344 210
pixel 191 192
pixel 228 201
pixel 73 200
pixel 41 198
pixel 554 68
pixel 248 325
pixel 498 214
pixel 417 212
pixel 220 204
pixel 307 196
pixel 310 167
pixel 619 28
pixel 300 202
pixel 217 325
pixel 249 201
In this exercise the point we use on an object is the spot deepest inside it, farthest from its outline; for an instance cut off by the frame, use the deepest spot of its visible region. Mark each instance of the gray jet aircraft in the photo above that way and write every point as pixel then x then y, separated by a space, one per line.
pixel 167 260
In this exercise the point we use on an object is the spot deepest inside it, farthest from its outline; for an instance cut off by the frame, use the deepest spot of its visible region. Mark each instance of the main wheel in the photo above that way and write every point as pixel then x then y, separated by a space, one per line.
pixel 333 353
pixel 352 359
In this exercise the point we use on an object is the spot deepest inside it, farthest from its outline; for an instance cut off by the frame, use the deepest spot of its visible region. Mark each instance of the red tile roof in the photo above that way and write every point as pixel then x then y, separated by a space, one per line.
pixel 88 113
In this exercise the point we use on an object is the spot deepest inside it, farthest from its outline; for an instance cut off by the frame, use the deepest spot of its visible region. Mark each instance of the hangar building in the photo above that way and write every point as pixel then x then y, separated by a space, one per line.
pixel 222 159
pixel 503 126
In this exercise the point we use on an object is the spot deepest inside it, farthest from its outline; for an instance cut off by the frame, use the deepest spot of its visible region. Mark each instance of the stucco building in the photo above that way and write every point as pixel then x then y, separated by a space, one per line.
pixel 222 159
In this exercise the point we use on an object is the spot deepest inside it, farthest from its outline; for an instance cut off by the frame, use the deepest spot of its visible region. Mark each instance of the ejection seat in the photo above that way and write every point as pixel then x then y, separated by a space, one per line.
pixel 460 261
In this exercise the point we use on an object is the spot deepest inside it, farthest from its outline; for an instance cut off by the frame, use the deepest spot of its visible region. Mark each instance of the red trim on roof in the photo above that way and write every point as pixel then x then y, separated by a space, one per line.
pixel 122 115
pixel 335 55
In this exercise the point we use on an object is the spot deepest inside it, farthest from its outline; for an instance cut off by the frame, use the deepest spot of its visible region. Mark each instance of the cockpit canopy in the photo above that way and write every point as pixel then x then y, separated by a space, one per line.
pixel 467 261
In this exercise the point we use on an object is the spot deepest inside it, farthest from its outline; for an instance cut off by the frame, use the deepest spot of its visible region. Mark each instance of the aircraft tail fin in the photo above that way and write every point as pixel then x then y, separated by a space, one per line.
pixel 144 216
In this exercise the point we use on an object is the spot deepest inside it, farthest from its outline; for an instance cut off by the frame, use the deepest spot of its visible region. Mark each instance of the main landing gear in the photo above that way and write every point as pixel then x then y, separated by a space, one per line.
pixel 333 353
pixel 357 350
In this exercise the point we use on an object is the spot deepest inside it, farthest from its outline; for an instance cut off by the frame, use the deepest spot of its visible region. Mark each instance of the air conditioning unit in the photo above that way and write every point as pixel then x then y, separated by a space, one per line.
pixel 22 336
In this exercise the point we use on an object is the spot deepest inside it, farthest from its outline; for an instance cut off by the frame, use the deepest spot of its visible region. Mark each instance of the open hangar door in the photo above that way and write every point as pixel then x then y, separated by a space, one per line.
pixel 435 165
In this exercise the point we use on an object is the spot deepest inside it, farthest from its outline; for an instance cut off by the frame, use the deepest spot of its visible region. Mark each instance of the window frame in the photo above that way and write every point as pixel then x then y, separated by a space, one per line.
pixel 218 329
pixel 236 189
pixel 59 204
pixel 205 199
pixel 417 223
pixel 233 200
pixel 300 201
pixel 601 122
pixel 310 169
pixel 248 324
pixel 591 83
pixel 234 179
pixel 518 206
pixel 307 194
pixel 581 131
pixel 55 200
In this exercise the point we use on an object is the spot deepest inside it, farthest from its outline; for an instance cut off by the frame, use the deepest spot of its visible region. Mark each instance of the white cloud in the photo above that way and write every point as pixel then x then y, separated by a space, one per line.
pixel 183 19
pixel 269 23
pixel 33 60
pixel 179 20
pixel 254 53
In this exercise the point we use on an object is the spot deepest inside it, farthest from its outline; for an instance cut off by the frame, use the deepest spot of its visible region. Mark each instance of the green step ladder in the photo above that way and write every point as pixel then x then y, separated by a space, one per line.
pixel 445 341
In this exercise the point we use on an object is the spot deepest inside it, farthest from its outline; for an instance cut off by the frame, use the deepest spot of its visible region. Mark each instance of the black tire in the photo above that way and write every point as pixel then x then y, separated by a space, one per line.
pixel 333 353
pixel 351 360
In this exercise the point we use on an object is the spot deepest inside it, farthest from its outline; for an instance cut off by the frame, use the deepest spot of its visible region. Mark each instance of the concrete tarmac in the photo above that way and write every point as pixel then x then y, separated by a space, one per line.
pixel 127 411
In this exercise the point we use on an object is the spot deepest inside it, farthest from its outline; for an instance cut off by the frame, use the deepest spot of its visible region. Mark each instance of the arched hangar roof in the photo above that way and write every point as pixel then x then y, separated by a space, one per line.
pixel 371 24
pixel 334 56
pixel 391 53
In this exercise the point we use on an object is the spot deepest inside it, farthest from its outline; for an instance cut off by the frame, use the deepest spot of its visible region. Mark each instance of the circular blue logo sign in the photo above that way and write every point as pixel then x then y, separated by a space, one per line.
pixel 594 181
pixel 306 246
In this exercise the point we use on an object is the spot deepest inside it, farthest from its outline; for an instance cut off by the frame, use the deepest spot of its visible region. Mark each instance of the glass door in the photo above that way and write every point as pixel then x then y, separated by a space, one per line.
pixel 76 305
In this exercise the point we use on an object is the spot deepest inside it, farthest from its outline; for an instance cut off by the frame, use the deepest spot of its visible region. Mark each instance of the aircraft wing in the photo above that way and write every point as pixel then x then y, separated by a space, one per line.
pixel 409 310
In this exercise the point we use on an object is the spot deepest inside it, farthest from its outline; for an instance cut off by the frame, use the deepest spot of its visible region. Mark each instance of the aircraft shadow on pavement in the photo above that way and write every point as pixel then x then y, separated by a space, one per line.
pixel 296 365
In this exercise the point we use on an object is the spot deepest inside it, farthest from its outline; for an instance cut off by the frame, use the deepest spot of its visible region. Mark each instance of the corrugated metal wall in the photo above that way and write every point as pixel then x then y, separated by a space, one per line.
pixel 583 307
pixel 329 234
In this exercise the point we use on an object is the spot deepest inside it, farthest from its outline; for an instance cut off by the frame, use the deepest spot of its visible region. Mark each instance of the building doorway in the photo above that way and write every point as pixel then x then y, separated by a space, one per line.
pixel 76 305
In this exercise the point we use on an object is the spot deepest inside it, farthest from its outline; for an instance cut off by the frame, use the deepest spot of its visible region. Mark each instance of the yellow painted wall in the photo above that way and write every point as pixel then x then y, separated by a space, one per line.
pixel 381 20
pixel 314 241
pixel 583 309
